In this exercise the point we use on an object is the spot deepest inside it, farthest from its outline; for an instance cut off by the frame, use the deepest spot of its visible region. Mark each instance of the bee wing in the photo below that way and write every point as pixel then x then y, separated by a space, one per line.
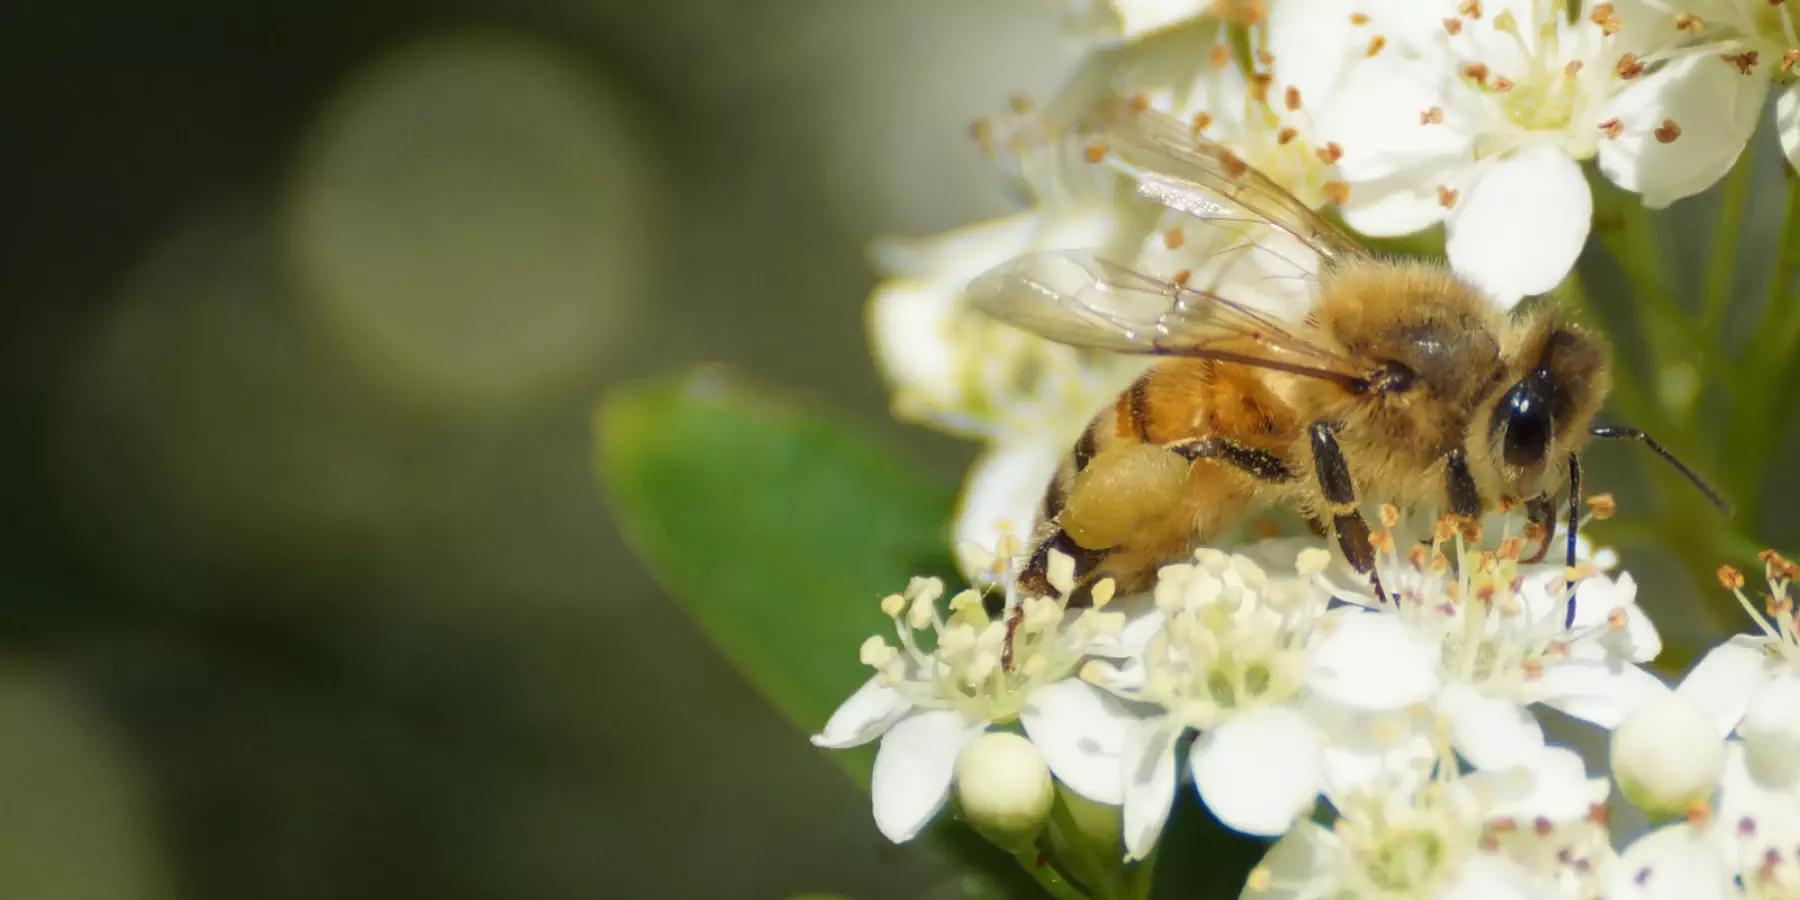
pixel 1079 298
pixel 1191 174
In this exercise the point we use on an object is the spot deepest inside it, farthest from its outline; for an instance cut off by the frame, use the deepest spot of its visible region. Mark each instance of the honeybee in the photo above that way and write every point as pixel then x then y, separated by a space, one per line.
pixel 1401 383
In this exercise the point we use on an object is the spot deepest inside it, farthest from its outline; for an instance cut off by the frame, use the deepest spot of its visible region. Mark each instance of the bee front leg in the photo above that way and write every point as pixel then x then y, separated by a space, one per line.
pixel 1574 520
pixel 1541 511
pixel 1333 472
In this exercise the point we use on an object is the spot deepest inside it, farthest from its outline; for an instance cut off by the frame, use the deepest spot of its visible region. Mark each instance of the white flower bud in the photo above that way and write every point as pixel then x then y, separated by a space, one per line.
pixel 1004 788
pixel 1667 756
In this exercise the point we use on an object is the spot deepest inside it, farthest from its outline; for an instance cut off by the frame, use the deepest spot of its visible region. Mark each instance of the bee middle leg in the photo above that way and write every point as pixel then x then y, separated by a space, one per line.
pixel 1333 472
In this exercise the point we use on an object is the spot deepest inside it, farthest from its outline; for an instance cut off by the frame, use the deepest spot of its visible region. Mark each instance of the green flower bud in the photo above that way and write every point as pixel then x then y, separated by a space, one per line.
pixel 1667 756
pixel 1004 788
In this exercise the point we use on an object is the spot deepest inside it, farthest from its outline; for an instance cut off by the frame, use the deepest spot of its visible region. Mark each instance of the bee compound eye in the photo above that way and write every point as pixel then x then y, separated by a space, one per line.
pixel 1526 412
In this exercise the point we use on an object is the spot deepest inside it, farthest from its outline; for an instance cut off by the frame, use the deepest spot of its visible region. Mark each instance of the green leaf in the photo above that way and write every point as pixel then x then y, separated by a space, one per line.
pixel 777 529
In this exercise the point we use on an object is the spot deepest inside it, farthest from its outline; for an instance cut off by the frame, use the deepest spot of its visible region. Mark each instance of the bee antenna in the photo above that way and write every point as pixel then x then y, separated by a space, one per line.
pixel 1621 431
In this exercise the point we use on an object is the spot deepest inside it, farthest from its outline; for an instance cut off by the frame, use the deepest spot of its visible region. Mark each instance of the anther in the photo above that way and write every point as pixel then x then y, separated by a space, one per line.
pixel 1234 167
pixel 1330 153
pixel 1698 814
pixel 1219 56
pixel 1201 120
pixel 1542 826
pixel 1265 57
pixel 1602 506
pixel 1505 23
pixel 1337 192
pixel 1502 84
pixel 1603 17
pixel 1789 58
pixel 1531 668
pixel 1174 238
pixel 1094 152
pixel 1181 278
pixel 1617 620
pixel 1612 127
pixel 1432 116
pixel 1476 71
pixel 1389 514
pixel 1416 557
pixel 1470 8
pixel 1140 101
pixel 1453 25
pixel 1668 131
pixel 1745 61
pixel 1747 827
pixel 1021 104
pixel 1259 87
pixel 1286 136
pixel 1446 197
pixel 1730 578
pixel 1572 69
pixel 1292 98
pixel 1629 67
pixel 1359 19
pixel 981 131
pixel 1375 44
pixel 1690 23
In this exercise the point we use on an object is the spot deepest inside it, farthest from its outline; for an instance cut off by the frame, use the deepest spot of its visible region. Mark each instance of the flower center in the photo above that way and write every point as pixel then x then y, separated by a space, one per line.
pixel 1403 844
pixel 1405 859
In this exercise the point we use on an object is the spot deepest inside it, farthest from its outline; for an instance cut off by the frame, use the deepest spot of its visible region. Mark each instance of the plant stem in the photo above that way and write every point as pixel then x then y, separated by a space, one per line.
pixel 1721 272
pixel 1048 878
pixel 1668 328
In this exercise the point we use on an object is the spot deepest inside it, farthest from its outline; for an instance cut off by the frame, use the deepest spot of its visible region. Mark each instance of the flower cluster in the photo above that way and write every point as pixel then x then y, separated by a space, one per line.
pixel 1389 733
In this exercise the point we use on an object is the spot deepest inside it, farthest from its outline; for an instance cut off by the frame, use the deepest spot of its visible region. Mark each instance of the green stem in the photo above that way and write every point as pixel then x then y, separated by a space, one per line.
pixel 1668 328
pixel 1765 394
pixel 1787 262
pixel 1721 272
pixel 1048 877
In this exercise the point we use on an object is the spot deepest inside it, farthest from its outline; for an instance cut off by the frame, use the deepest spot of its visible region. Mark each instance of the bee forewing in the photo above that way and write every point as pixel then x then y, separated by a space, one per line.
pixel 1076 297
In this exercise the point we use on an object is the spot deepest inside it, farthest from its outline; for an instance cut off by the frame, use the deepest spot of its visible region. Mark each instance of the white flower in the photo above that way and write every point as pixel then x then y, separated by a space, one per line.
pixel 1501 642
pixel 1231 661
pixel 1739 858
pixel 1524 833
pixel 1711 77
pixel 926 705
pixel 1480 114
pixel 1750 687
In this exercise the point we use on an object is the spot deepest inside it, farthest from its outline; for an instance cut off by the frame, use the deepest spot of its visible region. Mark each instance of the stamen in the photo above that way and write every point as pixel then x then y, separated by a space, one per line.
pixel 1476 71
pixel 1612 127
pixel 1745 61
pixel 1359 19
pixel 1690 23
pixel 1021 104
pixel 1603 16
pixel 1668 131
pixel 1336 192
pixel 1330 153
pixel 1286 136
pixel 1446 197
pixel 1470 8
pixel 1201 120
pixel 1095 152
pixel 1174 238
pixel 1629 67
pixel 1432 116
pixel 1376 44
pixel 1219 56
pixel 1453 25
pixel 1292 98
pixel 1602 506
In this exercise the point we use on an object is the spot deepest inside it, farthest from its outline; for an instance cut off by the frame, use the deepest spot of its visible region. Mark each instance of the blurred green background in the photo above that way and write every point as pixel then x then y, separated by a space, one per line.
pixel 307 590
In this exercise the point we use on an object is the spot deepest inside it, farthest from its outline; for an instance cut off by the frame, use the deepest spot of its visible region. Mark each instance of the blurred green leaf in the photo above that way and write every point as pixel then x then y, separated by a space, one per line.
pixel 777 530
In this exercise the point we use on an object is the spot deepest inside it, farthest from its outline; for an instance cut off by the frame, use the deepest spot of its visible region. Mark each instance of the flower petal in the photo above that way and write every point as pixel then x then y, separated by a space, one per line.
pixel 1400 204
pixel 1521 224
pixel 1771 730
pixel 1671 863
pixel 1489 732
pixel 1081 731
pixel 1373 661
pixel 864 717
pixel 1001 496
pixel 911 779
pixel 1716 109
pixel 1259 770
pixel 1773 811
pixel 1488 877
pixel 1149 783
pixel 1311 41
pixel 1363 748
pixel 1724 680
pixel 1557 788
pixel 1374 118
pixel 1596 690
pixel 1304 858
pixel 1138 18
pixel 909 334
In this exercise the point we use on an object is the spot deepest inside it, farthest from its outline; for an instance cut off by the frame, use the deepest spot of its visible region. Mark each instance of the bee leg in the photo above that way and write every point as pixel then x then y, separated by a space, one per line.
pixel 1541 510
pixel 1352 532
pixel 1034 579
pixel 1459 485
pixel 1574 520
pixel 1261 464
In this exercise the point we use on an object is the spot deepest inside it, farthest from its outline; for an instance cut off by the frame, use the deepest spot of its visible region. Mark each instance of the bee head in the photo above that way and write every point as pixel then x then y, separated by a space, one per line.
pixel 1541 405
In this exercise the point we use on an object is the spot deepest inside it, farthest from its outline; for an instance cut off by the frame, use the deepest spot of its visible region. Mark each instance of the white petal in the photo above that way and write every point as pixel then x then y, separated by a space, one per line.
pixel 1787 123
pixel 1002 495
pixel 1671 863
pixel 1716 109
pixel 1303 860
pixel 1259 770
pixel 1399 204
pixel 1310 41
pixel 911 779
pixel 1081 731
pixel 1773 811
pixel 1138 18
pixel 909 333
pixel 1725 679
pixel 1771 730
pixel 1557 788
pixel 863 717
pixel 1598 691
pixel 1489 732
pixel 1149 783
pixel 1372 661
pixel 1487 877
pixel 955 257
pixel 1518 228
pixel 1374 118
